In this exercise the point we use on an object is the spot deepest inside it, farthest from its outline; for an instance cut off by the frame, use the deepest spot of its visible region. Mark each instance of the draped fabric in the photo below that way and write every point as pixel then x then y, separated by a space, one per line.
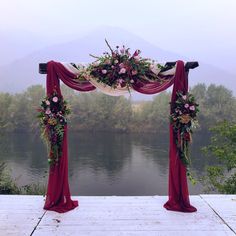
pixel 58 196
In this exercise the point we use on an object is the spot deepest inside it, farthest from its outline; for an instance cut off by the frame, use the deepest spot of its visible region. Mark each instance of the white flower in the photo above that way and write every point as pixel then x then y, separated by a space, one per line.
pixel 55 99
pixel 122 71
pixel 131 81
pixel 136 58
pixel 104 71
pixel 116 61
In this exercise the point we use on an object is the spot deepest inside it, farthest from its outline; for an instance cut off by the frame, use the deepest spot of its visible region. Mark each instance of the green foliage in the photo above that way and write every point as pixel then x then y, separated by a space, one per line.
pixel 8 185
pixel 222 177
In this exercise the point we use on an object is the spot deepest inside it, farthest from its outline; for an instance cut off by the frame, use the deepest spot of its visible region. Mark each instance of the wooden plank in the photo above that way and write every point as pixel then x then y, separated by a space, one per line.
pixel 224 206
pixel 117 215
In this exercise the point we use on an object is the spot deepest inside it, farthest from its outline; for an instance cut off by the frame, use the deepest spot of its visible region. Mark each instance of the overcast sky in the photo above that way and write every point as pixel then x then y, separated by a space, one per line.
pixel 203 29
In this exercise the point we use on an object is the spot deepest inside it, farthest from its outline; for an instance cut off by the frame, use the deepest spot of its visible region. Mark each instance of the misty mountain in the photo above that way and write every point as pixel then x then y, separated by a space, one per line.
pixel 23 72
pixel 17 44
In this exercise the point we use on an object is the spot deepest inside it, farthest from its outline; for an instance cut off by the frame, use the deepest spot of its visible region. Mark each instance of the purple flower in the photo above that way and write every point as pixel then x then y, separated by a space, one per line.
pixel 104 71
pixel 186 105
pixel 192 108
pixel 55 99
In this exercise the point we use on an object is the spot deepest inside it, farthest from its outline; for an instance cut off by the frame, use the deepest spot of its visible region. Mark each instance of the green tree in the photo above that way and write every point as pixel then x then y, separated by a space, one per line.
pixel 222 177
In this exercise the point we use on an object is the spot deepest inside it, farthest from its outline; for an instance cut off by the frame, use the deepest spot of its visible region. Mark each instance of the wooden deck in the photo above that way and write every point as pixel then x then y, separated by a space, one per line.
pixel 113 215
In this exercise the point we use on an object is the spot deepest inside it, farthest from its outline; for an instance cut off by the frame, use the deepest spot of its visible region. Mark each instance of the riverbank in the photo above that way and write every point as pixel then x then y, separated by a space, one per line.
pixel 116 215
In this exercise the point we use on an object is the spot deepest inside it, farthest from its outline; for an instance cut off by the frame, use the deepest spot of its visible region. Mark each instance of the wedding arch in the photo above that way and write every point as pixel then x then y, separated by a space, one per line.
pixel 115 74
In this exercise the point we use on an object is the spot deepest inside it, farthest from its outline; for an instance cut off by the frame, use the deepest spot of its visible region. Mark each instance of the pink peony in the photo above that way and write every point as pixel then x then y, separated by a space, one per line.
pixel 192 108
pixel 55 99
pixel 104 71
pixel 122 71
pixel 186 105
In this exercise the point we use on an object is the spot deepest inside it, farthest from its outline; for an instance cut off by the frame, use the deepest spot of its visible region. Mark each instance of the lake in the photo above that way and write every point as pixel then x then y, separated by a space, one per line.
pixel 103 163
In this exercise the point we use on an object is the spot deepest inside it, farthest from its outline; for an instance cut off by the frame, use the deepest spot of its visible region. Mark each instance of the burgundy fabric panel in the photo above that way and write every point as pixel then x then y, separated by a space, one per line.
pixel 147 87
pixel 56 69
pixel 178 186
pixel 58 196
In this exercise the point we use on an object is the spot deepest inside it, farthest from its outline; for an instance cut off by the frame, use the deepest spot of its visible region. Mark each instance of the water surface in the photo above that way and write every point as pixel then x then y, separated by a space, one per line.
pixel 102 163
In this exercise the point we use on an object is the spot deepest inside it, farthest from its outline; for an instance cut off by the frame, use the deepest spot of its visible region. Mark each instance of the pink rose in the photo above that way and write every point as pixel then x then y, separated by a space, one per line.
pixel 55 99
pixel 192 108
pixel 184 97
pixel 122 71
pixel 47 102
pixel 134 72
pixel 121 65
pixel 104 71
pixel 48 111
pixel 131 81
pixel 186 105
pixel 116 61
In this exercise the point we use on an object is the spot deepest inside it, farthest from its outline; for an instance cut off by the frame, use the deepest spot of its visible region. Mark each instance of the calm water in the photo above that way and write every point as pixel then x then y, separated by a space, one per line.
pixel 102 163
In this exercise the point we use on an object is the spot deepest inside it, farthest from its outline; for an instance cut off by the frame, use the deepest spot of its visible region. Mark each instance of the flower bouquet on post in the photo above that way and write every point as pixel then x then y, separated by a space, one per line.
pixel 52 118
pixel 184 119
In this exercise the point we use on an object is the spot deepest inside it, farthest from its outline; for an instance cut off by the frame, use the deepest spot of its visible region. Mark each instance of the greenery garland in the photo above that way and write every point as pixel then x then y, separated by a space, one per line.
pixel 52 117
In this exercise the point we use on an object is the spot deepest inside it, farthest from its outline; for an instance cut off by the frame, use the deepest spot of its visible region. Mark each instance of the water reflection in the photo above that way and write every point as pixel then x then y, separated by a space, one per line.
pixel 102 163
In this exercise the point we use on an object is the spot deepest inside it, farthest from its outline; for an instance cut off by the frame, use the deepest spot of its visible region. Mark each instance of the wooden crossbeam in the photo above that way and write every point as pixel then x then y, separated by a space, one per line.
pixel 168 65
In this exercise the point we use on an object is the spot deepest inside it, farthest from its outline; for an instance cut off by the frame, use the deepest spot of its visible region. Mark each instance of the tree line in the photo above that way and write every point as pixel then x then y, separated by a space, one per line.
pixel 95 111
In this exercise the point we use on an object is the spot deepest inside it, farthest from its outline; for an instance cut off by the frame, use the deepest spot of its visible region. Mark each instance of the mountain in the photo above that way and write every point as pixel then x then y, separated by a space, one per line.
pixel 17 44
pixel 23 72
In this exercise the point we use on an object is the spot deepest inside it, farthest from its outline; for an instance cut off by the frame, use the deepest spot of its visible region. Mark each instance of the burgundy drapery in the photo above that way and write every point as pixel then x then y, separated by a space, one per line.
pixel 58 193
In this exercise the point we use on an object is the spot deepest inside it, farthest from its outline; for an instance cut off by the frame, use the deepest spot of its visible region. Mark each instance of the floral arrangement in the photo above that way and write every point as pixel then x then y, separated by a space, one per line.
pixel 52 116
pixel 184 118
pixel 121 69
